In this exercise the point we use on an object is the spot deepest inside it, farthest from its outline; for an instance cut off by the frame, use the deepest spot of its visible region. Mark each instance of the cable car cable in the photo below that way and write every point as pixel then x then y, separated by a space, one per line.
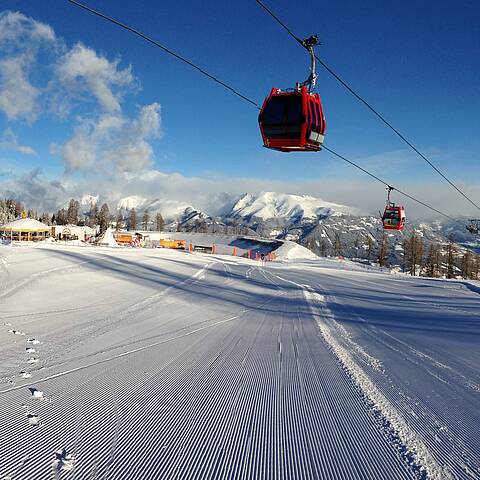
pixel 243 97
pixel 390 187
pixel 370 107
pixel 165 49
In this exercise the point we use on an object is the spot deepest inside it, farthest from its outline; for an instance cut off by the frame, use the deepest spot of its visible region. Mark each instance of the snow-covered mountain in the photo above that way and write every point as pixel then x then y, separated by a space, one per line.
pixel 89 200
pixel 172 211
pixel 325 227
pixel 270 205
pixel 132 201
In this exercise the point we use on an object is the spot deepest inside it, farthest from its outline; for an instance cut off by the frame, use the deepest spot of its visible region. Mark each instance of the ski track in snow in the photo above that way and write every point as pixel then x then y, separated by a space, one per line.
pixel 442 420
pixel 213 368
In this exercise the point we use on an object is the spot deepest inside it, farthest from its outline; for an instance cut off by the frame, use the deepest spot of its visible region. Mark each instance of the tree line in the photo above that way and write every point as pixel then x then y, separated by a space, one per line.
pixel 103 217
pixel 432 260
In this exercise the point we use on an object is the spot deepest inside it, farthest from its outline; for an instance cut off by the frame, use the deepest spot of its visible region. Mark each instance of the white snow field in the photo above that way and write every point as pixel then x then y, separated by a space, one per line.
pixel 156 364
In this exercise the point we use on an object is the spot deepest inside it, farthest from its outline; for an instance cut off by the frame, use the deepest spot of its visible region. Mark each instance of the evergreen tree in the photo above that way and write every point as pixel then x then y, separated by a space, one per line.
pixel 159 222
pixel 146 219
pixel 73 212
pixel 132 220
pixel 61 217
pixel 103 218
pixel 119 221
pixel 337 246
pixel 370 246
pixel 323 247
pixel 92 216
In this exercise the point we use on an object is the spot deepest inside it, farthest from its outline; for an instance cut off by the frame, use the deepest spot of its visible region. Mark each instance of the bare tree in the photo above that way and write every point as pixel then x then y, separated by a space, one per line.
pixel 413 247
pixel 433 261
pixel 466 264
pixel 451 253
pixel 476 267
pixel 383 251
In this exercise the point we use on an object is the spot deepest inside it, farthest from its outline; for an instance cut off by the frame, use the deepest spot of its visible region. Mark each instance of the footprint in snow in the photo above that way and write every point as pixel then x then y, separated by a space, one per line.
pixel 17 332
pixel 33 419
pixel 33 341
pixel 32 360
pixel 63 460
pixel 24 374
pixel 36 393
pixel 30 350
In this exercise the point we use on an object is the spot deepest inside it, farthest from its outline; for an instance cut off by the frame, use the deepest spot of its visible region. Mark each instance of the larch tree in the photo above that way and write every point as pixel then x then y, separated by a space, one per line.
pixel 119 220
pixel 433 261
pixel 413 248
pixel 159 222
pixel 383 251
pixel 451 255
pixel 132 219
pixel 146 219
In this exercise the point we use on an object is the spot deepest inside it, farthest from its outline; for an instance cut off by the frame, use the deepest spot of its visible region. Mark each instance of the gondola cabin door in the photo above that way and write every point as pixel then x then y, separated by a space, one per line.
pixel 292 121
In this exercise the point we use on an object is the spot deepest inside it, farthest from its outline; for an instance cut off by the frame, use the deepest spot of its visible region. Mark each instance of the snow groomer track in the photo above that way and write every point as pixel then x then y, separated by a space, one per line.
pixel 153 364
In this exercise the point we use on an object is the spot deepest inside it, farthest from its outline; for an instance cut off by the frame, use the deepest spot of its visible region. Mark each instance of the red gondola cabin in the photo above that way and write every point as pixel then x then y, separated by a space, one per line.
pixel 292 121
pixel 393 217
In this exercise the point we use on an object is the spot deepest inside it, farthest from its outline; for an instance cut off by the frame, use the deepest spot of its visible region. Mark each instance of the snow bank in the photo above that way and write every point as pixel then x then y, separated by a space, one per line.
pixel 294 251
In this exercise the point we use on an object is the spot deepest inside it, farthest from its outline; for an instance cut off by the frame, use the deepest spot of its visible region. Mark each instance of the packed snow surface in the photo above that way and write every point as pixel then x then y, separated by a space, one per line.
pixel 268 205
pixel 164 364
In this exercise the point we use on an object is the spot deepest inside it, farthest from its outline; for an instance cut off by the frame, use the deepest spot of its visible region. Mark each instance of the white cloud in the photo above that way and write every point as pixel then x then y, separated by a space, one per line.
pixel 113 143
pixel 9 141
pixel 16 28
pixel 21 38
pixel 82 69
pixel 207 193
pixel 18 97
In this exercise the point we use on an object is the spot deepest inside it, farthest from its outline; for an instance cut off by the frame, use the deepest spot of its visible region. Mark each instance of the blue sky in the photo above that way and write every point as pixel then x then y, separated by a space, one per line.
pixel 417 62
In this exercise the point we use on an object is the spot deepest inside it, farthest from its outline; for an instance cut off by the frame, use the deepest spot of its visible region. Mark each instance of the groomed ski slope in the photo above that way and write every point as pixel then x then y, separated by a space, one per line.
pixel 139 364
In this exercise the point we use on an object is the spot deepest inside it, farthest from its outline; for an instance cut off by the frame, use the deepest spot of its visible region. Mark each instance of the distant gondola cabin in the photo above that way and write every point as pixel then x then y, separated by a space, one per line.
pixel 393 217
